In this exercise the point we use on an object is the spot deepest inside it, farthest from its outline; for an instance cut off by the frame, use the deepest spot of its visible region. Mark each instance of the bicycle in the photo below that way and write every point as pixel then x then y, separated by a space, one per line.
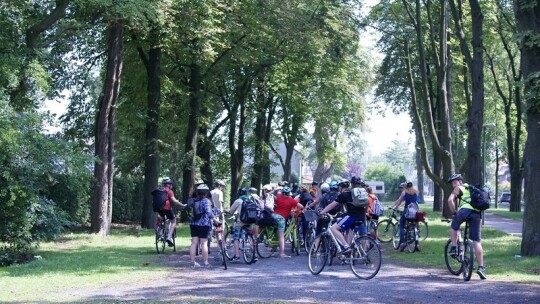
pixel 412 232
pixel 385 231
pixel 365 257
pixel 463 261
pixel 267 242
pixel 162 231
pixel 311 232
pixel 222 251
pixel 246 244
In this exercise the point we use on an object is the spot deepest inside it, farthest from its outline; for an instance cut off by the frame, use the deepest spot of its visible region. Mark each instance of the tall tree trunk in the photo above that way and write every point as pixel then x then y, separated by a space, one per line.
pixel 267 138
pixel 104 142
pixel 190 144
pixel 259 135
pixel 151 155
pixel 203 149
pixel 322 139
pixel 528 23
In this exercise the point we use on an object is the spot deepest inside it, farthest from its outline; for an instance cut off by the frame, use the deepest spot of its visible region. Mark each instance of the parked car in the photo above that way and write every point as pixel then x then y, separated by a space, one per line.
pixel 505 197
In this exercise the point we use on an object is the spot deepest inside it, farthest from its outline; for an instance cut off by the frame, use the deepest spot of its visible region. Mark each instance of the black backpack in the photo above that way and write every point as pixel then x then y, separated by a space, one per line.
pixel 195 205
pixel 265 218
pixel 159 197
pixel 249 213
pixel 479 197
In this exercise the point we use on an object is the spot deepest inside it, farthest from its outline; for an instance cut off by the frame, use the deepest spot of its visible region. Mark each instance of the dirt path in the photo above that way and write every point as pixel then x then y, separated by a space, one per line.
pixel 289 281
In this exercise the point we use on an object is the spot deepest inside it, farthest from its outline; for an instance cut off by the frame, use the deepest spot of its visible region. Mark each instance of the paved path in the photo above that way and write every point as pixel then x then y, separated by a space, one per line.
pixel 507 225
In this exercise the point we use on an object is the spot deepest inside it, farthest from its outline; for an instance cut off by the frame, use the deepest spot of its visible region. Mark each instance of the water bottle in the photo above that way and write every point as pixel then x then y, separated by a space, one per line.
pixel 416 234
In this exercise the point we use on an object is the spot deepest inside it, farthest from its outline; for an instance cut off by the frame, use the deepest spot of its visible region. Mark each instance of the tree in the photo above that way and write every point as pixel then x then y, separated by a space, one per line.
pixel 527 14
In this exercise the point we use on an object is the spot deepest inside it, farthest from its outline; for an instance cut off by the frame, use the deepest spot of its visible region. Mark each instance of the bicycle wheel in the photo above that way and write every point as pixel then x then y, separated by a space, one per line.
pixel 468 260
pixel 453 264
pixel 228 241
pixel 264 246
pixel 373 229
pixel 318 255
pixel 310 236
pixel 332 252
pixel 160 240
pixel 385 231
pixel 423 231
pixel 248 248
pixel 365 258
pixel 410 236
pixel 295 244
pixel 222 255
pixel 395 236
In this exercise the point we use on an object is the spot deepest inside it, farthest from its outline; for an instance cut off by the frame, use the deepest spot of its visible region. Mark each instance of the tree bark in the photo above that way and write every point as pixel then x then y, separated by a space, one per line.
pixel 104 140
pixel 528 23
pixel 152 155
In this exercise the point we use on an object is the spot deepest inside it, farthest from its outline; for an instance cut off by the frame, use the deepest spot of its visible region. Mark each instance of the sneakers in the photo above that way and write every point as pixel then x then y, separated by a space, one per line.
pixel 235 259
pixel 195 264
pixel 402 247
pixel 481 272
pixel 206 264
pixel 170 243
pixel 453 251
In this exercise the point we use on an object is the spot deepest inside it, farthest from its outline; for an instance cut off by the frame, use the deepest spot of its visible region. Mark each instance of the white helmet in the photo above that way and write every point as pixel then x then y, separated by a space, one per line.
pixel 268 187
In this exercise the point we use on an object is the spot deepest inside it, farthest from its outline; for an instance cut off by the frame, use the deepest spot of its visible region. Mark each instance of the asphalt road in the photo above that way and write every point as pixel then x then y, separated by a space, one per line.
pixel 278 280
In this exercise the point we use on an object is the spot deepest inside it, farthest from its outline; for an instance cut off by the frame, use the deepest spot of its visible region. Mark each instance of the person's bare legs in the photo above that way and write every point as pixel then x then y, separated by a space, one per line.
pixel 204 250
pixel 172 225
pixel 453 236
pixel 281 239
pixel 193 248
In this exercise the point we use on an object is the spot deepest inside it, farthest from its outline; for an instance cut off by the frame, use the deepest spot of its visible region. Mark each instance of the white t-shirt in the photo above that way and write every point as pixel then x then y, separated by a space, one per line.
pixel 217 198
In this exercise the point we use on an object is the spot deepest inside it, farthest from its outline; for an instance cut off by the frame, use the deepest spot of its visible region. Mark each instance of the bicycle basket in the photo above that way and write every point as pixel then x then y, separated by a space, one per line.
pixel 420 216
pixel 310 215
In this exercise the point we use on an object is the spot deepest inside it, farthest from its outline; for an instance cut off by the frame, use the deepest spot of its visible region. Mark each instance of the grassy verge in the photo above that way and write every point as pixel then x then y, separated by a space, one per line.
pixel 505 213
pixel 500 250
pixel 80 260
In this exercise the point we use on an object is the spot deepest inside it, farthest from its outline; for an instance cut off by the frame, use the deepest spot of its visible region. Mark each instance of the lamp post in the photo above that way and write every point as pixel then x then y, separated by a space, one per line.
pixel 484 127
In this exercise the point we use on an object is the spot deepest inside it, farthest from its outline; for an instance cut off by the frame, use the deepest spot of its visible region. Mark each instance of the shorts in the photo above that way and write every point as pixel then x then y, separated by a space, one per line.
pixel 167 213
pixel 474 223
pixel 280 222
pixel 347 222
pixel 199 231
pixel 237 231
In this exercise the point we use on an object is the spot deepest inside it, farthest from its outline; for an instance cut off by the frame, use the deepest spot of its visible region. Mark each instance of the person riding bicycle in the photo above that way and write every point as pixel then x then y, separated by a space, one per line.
pixel 243 195
pixel 284 205
pixel 167 211
pixel 325 200
pixel 200 223
pixel 409 196
pixel 461 193
pixel 352 215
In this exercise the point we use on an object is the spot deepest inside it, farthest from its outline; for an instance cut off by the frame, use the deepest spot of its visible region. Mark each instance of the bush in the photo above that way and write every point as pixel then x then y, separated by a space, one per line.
pixel 127 199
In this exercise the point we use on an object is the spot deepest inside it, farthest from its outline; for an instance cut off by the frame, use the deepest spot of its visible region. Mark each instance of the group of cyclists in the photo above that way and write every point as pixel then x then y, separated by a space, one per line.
pixel 334 197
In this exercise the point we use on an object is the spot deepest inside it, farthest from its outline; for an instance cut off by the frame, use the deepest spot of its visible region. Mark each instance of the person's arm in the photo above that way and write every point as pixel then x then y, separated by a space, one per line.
pixel 452 200
pixel 397 203
pixel 329 207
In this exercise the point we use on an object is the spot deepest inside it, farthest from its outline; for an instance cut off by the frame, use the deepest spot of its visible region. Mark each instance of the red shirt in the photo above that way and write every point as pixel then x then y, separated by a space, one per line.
pixel 284 204
pixel 168 201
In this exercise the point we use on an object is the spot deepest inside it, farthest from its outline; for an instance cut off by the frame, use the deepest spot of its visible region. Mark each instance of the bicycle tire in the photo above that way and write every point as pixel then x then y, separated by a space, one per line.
pixel 453 264
pixel 365 259
pixel 318 255
pixel 468 261
pixel 223 256
pixel 228 240
pixel 310 236
pixel 410 235
pixel 373 229
pixel 333 252
pixel 385 231
pixel 423 230
pixel 395 236
pixel 264 247
pixel 160 241
pixel 247 244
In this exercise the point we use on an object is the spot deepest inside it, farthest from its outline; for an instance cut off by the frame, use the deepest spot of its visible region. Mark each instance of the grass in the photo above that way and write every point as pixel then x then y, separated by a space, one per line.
pixel 80 260
pixel 504 212
pixel 500 250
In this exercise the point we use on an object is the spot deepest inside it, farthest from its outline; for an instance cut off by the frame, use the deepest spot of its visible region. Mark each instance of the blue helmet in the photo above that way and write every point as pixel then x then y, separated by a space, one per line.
pixel 166 181
pixel 334 185
pixel 286 190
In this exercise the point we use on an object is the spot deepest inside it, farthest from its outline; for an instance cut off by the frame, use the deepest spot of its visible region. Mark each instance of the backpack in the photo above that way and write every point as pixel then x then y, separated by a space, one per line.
pixel 249 213
pixel 359 197
pixel 479 197
pixel 265 218
pixel 196 211
pixel 410 211
pixel 378 208
pixel 159 197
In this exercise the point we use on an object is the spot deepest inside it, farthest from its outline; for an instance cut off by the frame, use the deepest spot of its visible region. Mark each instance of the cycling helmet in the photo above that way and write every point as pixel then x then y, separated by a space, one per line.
pixel 345 184
pixel 355 180
pixel 268 187
pixel 242 191
pixel 314 183
pixel 408 185
pixel 220 183
pixel 202 188
pixel 325 187
pixel 286 191
pixel 334 185
pixel 252 190
pixel 454 177
pixel 403 185
pixel 285 183
pixel 166 181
